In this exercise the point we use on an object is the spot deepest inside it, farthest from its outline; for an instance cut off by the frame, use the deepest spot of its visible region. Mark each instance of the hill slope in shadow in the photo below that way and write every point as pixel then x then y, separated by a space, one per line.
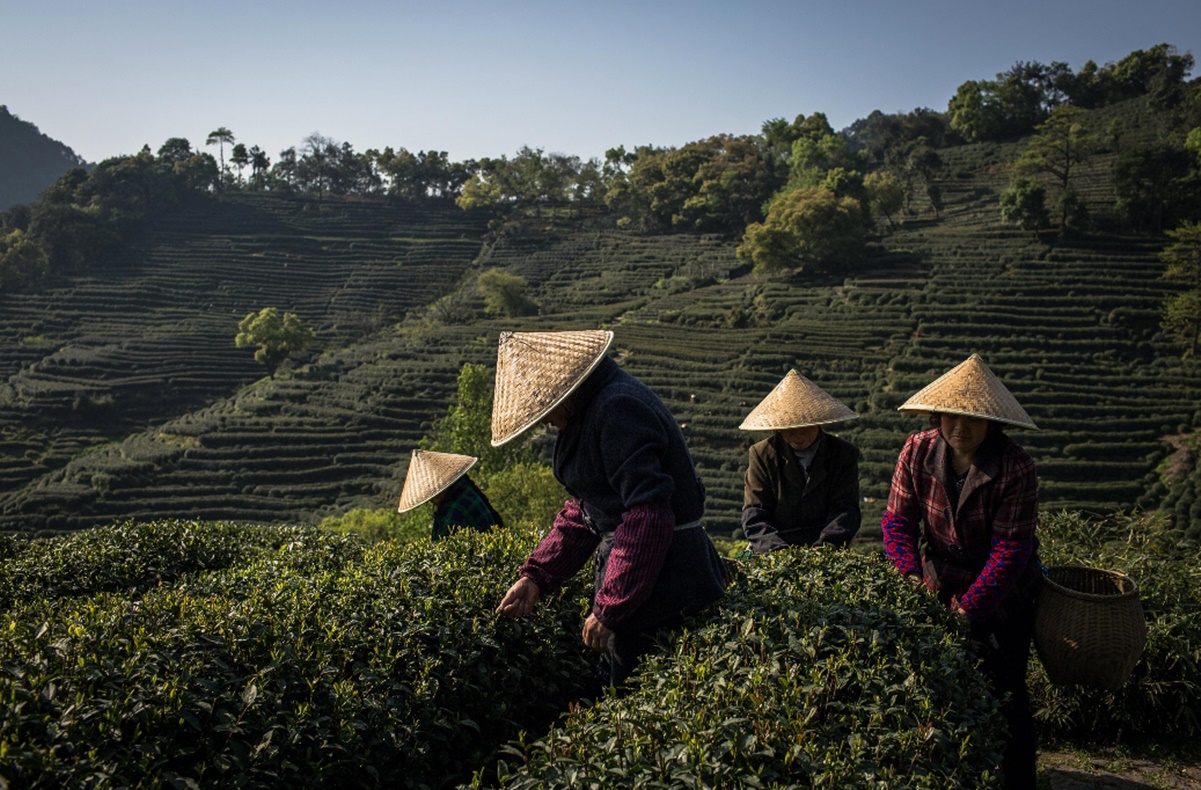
pixel 124 397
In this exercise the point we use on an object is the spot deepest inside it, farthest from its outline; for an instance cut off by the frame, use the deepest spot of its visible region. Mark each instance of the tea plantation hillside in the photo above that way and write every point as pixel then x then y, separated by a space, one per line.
pixel 124 397
pixel 150 336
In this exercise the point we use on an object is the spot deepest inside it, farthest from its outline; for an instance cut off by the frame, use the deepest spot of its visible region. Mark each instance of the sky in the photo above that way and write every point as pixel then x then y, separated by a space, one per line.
pixel 482 79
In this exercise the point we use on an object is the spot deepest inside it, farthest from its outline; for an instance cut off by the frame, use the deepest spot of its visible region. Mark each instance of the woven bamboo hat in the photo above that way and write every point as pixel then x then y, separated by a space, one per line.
pixel 536 371
pixel 795 403
pixel 970 388
pixel 430 474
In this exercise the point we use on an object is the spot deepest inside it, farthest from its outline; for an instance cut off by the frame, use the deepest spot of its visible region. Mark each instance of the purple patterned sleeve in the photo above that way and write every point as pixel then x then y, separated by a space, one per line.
pixel 640 547
pixel 563 551
pixel 900 543
pixel 1006 562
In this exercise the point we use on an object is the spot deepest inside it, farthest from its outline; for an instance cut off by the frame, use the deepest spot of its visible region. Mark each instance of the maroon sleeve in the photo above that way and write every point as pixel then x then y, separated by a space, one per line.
pixel 903 516
pixel 901 544
pixel 563 551
pixel 640 546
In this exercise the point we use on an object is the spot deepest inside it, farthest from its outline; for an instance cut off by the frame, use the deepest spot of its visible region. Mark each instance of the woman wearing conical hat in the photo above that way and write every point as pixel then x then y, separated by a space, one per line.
pixel 636 498
pixel 961 518
pixel 442 478
pixel 802 483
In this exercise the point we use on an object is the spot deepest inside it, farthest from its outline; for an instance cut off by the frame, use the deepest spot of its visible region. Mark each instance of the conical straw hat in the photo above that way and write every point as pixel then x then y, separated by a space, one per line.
pixel 795 403
pixel 430 474
pixel 536 371
pixel 970 388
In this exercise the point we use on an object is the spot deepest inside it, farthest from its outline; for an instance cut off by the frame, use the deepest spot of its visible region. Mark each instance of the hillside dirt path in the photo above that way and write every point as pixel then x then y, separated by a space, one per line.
pixel 1103 771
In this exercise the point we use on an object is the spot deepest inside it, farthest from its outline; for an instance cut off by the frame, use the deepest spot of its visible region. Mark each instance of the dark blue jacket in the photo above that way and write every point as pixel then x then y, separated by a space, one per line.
pixel 622 447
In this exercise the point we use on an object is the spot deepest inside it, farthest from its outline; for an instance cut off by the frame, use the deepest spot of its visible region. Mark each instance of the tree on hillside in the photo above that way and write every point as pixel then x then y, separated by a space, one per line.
pixel 175 149
pixel 259 163
pixel 22 261
pixel 219 137
pixel 885 194
pixel 467 426
pixel 276 336
pixel 1024 203
pixel 504 293
pixel 1060 143
pixel 1182 311
pixel 809 226
pixel 1156 186
pixel 717 185
pixel 240 158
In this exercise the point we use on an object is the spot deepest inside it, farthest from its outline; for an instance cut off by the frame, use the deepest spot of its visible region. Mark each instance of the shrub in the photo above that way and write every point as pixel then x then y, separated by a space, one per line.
pixel 820 668
pixel 132 556
pixel 303 667
pixel 374 526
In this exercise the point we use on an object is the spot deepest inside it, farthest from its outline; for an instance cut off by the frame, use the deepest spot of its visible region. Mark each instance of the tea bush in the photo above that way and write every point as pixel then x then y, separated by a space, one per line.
pixel 1162 698
pixel 133 556
pixel 381 666
pixel 818 669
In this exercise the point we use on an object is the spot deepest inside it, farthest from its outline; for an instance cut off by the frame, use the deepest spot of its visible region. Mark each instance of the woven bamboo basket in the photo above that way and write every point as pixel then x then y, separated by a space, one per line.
pixel 1089 628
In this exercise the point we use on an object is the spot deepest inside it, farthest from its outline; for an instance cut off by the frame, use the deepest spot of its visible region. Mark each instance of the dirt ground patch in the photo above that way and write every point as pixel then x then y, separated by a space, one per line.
pixel 1112 770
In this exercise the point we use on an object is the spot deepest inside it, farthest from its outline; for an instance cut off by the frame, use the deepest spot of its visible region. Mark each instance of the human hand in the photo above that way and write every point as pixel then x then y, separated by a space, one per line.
pixel 520 599
pixel 596 635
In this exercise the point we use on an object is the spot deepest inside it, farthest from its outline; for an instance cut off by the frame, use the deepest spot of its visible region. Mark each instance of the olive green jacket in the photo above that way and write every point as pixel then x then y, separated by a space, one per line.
pixel 782 508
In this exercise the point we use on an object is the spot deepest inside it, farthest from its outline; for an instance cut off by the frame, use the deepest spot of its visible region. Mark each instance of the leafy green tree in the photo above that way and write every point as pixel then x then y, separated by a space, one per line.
pixel 467 426
pixel 973 112
pixel 518 482
pixel 276 336
pixel 240 158
pixel 220 137
pixel 1155 186
pixel 22 261
pixel 808 226
pixel 1159 71
pixel 284 171
pixel 504 293
pixel 1024 203
pixel 718 185
pixel 175 149
pixel 1060 143
pixel 1182 311
pixel 813 156
pixel 259 165
pixel 885 193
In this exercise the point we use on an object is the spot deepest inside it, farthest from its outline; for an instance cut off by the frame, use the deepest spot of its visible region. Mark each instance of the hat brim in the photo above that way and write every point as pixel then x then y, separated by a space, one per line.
pixel 923 408
pixel 540 414
pixel 403 507
pixel 805 424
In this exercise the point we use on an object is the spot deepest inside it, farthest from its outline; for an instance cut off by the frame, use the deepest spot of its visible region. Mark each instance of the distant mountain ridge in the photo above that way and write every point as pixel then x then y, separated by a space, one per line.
pixel 30 161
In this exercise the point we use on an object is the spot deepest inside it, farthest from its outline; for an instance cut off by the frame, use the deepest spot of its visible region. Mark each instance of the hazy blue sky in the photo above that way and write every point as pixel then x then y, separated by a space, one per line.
pixel 478 78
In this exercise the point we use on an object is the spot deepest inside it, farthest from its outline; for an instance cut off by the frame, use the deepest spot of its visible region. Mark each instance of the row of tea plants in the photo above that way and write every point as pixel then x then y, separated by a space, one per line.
pixel 188 655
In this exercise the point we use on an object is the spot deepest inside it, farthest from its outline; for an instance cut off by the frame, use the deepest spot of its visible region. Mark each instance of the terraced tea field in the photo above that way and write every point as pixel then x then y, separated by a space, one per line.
pixel 124 397
pixel 149 336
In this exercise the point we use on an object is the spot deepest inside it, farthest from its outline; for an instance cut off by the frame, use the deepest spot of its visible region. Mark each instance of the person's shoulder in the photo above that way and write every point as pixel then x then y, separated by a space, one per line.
pixel 925 438
pixel 763 446
pixel 1015 455
pixel 624 394
pixel 838 444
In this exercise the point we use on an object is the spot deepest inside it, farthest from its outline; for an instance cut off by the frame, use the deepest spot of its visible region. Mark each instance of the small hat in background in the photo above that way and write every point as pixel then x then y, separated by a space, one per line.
pixel 430 474
pixel 796 402
pixel 972 389
pixel 536 371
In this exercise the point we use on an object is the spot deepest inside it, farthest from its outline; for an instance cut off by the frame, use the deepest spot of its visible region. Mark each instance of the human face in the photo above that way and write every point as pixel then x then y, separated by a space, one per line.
pixel 964 434
pixel 800 438
pixel 557 418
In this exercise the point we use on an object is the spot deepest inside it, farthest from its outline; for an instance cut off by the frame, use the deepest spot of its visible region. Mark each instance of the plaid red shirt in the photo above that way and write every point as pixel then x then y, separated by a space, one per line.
pixel 978 551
